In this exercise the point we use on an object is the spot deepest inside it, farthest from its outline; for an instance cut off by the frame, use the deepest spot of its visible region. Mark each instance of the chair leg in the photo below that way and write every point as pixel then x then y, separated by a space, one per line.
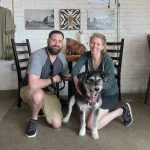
pixel 71 89
pixel 119 86
pixel 19 102
pixel 147 91
pixel 19 99
pixel 119 94
pixel 57 86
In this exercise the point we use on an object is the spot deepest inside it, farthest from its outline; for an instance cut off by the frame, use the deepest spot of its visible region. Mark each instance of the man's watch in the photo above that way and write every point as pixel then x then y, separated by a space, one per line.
pixel 52 81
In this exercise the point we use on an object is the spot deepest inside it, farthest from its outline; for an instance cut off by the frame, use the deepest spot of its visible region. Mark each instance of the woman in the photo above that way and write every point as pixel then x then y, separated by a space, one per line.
pixel 98 59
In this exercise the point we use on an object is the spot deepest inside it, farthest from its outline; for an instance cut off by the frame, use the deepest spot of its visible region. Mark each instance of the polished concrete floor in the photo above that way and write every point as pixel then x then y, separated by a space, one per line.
pixel 115 136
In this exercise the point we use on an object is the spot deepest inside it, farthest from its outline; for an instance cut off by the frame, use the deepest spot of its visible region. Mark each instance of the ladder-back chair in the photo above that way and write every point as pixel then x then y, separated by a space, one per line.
pixel 115 50
pixel 22 52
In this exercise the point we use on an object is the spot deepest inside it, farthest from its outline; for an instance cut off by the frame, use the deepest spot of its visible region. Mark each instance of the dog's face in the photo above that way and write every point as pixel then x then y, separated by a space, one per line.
pixel 92 82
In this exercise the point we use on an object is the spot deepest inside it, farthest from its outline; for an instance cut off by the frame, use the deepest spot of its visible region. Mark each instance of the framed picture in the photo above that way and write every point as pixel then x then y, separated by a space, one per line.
pixel 39 19
pixel 70 19
pixel 101 19
pixel 98 1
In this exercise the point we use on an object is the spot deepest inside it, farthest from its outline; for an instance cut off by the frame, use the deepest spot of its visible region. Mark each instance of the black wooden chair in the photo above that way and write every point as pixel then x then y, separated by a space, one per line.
pixel 22 52
pixel 115 50
pixel 148 83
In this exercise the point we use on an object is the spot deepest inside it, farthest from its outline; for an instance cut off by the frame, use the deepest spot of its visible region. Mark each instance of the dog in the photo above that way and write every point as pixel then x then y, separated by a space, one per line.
pixel 91 85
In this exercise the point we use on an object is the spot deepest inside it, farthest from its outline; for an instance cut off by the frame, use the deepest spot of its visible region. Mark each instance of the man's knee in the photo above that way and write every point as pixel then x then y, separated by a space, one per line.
pixel 55 123
pixel 37 96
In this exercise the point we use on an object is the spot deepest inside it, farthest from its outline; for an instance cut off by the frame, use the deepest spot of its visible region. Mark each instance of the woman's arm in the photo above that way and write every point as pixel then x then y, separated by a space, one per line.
pixel 76 70
pixel 110 79
pixel 80 63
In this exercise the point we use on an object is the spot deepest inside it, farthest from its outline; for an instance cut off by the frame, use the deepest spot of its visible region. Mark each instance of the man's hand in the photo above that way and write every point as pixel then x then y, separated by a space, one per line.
pixel 56 78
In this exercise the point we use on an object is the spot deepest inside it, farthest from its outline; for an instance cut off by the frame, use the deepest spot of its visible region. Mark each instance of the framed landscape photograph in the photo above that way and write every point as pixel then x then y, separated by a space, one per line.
pixel 101 19
pixel 39 19
pixel 70 19
pixel 98 1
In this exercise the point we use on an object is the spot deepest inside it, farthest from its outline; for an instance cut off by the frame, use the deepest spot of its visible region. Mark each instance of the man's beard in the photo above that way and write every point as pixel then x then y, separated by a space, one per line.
pixel 54 51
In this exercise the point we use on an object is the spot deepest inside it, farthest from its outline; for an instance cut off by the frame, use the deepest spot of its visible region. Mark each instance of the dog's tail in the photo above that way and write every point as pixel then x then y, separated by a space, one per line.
pixel 71 104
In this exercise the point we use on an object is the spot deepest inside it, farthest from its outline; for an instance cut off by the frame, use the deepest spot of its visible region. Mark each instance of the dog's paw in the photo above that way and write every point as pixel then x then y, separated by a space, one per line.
pixel 95 135
pixel 66 119
pixel 82 132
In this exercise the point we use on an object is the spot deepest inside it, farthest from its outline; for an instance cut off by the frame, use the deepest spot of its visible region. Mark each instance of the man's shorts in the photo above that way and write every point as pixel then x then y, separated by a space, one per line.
pixel 51 104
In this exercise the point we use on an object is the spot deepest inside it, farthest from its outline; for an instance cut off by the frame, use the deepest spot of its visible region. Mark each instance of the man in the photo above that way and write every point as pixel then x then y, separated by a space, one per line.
pixel 44 68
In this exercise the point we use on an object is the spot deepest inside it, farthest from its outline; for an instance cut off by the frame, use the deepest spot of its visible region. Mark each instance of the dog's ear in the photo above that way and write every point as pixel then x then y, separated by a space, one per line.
pixel 82 76
pixel 103 75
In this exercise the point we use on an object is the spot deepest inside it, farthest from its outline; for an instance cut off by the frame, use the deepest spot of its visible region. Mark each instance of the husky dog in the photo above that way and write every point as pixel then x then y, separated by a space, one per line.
pixel 90 84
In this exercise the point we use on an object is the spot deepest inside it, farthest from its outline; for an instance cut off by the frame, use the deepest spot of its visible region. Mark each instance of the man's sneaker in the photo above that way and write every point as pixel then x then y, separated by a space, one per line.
pixel 31 128
pixel 127 114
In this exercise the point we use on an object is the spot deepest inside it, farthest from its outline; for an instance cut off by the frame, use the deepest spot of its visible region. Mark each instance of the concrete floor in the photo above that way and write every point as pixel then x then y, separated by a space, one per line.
pixel 115 136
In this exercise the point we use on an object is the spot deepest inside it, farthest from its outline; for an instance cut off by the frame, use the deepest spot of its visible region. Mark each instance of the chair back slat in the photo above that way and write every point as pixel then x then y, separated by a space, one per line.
pixel 23 60
pixel 114 43
pixel 115 58
pixel 22 52
pixel 20 44
pixel 113 51
pixel 23 68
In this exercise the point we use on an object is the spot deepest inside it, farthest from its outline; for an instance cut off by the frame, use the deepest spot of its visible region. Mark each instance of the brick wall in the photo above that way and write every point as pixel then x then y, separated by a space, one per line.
pixel 134 24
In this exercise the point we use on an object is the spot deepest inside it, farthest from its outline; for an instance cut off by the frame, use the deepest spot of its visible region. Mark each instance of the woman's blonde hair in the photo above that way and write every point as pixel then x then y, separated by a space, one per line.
pixel 102 37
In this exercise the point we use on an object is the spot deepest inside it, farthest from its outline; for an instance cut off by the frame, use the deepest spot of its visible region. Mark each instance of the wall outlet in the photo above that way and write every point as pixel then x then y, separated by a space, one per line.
pixel 13 67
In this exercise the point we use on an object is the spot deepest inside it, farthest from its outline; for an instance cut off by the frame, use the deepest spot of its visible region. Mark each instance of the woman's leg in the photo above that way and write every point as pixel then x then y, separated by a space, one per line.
pixel 104 117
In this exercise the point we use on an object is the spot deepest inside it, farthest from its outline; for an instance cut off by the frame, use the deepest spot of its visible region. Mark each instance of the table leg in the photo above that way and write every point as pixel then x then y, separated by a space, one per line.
pixel 147 91
pixel 70 83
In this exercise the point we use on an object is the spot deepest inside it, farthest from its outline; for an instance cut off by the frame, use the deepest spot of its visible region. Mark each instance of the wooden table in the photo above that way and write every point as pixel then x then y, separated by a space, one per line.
pixel 72 58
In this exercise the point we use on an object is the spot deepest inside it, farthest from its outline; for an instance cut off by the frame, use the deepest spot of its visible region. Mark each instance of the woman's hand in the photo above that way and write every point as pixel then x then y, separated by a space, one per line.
pixel 76 82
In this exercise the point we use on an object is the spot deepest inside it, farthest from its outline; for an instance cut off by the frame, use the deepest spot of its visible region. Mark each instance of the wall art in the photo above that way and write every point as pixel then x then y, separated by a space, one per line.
pixel 39 19
pixel 70 19
pixel 101 19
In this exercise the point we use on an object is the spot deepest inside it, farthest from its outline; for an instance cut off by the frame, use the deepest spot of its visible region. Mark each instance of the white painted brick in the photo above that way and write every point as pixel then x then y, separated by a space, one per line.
pixel 126 72
pixel 7 84
pixel 134 24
